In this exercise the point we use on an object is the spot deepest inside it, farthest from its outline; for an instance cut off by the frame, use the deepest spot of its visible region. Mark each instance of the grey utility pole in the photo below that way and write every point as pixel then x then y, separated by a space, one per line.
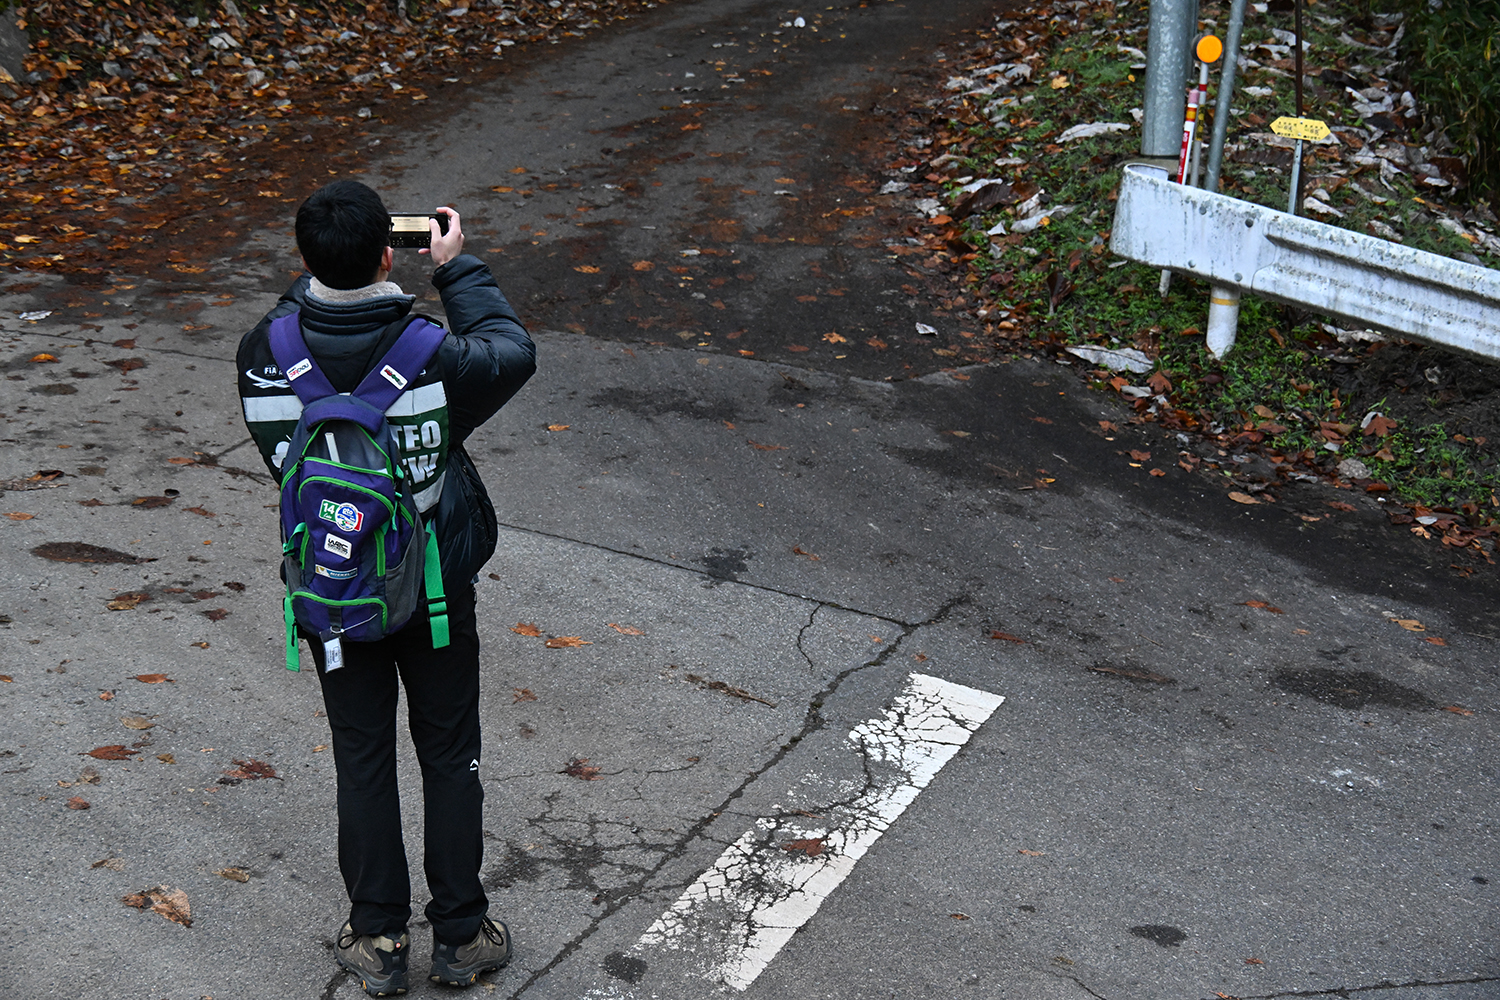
pixel 1169 55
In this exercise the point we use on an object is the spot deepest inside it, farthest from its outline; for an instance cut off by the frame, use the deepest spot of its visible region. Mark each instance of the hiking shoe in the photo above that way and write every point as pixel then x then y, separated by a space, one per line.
pixel 461 964
pixel 378 961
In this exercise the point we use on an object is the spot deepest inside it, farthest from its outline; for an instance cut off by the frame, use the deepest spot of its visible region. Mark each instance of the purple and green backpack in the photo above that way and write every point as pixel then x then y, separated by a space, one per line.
pixel 358 560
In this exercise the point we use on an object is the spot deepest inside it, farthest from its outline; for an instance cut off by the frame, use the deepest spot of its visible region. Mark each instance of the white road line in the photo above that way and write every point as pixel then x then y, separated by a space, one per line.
pixel 743 909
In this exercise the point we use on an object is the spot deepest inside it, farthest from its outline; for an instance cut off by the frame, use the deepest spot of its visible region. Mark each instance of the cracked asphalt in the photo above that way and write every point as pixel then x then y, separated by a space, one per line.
pixel 1222 768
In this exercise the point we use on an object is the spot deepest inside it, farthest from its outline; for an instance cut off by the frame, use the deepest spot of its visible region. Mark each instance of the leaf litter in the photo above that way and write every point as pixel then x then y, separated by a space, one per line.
pixel 165 900
pixel 124 101
pixel 984 170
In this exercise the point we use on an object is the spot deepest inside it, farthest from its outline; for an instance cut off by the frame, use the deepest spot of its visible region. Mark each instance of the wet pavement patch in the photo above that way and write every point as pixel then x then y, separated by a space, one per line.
pixel 1162 934
pixel 622 966
pixel 644 403
pixel 1350 689
pixel 83 552
pixel 727 564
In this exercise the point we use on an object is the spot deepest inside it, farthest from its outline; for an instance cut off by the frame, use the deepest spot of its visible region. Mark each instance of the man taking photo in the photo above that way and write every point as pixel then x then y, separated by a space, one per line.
pixel 350 315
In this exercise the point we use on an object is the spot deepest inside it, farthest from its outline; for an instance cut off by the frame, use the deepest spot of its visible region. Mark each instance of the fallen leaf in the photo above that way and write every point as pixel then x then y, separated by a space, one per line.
pixel 170 903
pixel 1262 604
pixel 643 265
pixel 1157 472
pixel 522 694
pixel 320 748
pixel 833 337
pixel 216 614
pixel 147 503
pixel 1140 456
pixel 959 916
pixel 127 602
pixel 180 460
pixel 580 768
pixel 198 645
pixel 115 751
pixel 7 679
pixel 1410 624
pixel 1379 425
pixel 1033 854
pixel 1006 636
pixel 136 722
pixel 1339 505
pixel 1041 420
pixel 812 847
pixel 1238 497
pixel 766 447
pixel 83 552
pixel 1435 640
pixel 558 427
pixel 18 516
pixel 251 770
pixel 166 758
pixel 44 359
pixel 1458 710
pixel 1059 82
pixel 113 864
pixel 200 511
pixel 797 550
pixel 78 802
pixel 233 874
pixel 1116 579
pixel 625 629
pixel 920 657
pixel 586 269
pixel 154 679
pixel 566 642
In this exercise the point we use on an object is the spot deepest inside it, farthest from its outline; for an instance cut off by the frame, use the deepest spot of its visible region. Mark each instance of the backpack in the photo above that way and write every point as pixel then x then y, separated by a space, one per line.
pixel 357 559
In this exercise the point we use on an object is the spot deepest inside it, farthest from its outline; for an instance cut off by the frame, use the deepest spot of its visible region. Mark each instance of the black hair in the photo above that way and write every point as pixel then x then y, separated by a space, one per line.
pixel 343 229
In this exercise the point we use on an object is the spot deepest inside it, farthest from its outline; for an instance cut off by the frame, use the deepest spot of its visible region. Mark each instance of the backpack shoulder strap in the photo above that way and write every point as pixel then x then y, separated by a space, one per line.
pixel 411 352
pixel 296 361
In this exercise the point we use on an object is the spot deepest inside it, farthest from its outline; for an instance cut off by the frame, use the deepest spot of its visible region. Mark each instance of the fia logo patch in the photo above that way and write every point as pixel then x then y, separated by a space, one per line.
pixel 394 377
pixel 345 516
pixel 299 369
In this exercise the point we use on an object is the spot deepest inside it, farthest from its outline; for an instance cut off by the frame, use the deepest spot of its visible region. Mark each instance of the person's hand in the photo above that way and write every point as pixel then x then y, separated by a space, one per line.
pixel 445 246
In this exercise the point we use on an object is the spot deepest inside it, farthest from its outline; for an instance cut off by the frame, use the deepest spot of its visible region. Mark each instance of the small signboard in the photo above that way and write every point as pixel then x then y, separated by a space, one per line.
pixel 1309 129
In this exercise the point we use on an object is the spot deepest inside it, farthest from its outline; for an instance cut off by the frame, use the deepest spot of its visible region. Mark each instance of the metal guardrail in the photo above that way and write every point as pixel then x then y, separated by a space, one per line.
pixel 1241 247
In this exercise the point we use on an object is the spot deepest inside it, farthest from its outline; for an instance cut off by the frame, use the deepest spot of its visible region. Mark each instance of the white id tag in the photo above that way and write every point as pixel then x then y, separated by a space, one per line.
pixel 333 654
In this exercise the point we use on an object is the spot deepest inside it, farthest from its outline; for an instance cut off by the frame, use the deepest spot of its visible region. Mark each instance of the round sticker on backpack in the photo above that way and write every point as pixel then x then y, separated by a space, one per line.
pixel 345 516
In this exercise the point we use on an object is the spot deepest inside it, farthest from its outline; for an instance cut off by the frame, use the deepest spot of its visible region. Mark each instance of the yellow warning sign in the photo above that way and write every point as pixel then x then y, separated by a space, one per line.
pixel 1300 128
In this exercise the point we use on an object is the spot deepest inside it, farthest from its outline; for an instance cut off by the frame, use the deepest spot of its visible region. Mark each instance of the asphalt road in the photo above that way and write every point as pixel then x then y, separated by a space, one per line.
pixel 1221 766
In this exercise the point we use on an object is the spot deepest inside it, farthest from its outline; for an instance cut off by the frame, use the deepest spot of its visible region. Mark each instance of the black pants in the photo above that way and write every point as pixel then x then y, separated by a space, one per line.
pixel 442 695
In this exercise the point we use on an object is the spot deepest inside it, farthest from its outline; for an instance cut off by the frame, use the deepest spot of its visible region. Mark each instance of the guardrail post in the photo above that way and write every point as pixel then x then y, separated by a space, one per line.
pixel 1169 46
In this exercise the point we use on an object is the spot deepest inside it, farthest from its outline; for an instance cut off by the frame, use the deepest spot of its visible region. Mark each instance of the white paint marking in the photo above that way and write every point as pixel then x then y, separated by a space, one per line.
pixel 758 893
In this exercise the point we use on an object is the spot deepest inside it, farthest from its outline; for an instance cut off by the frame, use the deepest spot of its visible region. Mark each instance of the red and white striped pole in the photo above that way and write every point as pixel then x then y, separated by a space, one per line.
pixel 1208 50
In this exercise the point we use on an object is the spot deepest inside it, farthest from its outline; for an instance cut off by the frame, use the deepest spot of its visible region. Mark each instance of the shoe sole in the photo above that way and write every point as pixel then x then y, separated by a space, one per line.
pixel 465 978
pixel 386 990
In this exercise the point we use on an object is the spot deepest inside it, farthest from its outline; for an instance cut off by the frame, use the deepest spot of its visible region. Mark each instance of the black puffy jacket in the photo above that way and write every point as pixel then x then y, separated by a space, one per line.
pixel 485 359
